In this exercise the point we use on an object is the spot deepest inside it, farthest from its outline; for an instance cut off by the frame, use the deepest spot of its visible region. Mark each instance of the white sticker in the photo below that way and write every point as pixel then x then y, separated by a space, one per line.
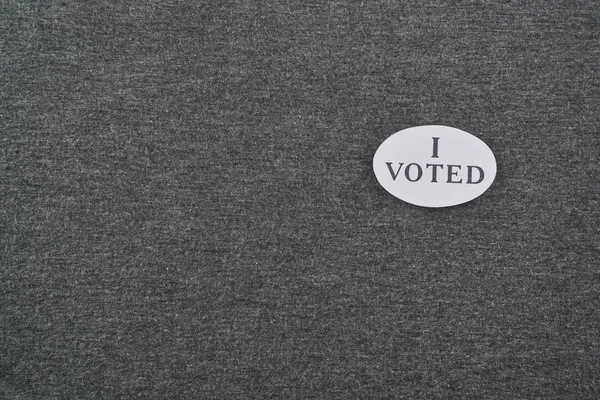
pixel 434 166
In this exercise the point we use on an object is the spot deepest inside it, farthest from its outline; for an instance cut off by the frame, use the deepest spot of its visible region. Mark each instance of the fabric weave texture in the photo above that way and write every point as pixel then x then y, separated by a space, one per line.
pixel 188 208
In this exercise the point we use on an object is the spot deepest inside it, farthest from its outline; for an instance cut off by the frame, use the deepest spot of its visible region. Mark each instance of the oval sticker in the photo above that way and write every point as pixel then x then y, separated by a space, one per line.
pixel 434 166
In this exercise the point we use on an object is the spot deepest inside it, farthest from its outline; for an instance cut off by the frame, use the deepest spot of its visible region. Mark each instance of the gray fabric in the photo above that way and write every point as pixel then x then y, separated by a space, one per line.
pixel 188 208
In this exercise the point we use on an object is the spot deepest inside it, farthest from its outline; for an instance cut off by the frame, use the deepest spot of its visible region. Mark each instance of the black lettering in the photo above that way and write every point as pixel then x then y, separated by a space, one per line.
pixel 419 172
pixel 434 171
pixel 451 174
pixel 435 147
pixel 394 174
pixel 470 174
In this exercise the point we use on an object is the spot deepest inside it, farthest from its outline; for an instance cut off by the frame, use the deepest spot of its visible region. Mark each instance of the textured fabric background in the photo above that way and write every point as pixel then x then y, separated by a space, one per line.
pixel 188 208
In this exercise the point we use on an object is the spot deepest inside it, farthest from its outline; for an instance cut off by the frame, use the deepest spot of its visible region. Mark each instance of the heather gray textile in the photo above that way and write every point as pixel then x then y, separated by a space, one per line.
pixel 188 208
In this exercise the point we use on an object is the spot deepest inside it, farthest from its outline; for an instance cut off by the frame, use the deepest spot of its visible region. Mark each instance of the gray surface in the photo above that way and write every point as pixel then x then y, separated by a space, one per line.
pixel 188 208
